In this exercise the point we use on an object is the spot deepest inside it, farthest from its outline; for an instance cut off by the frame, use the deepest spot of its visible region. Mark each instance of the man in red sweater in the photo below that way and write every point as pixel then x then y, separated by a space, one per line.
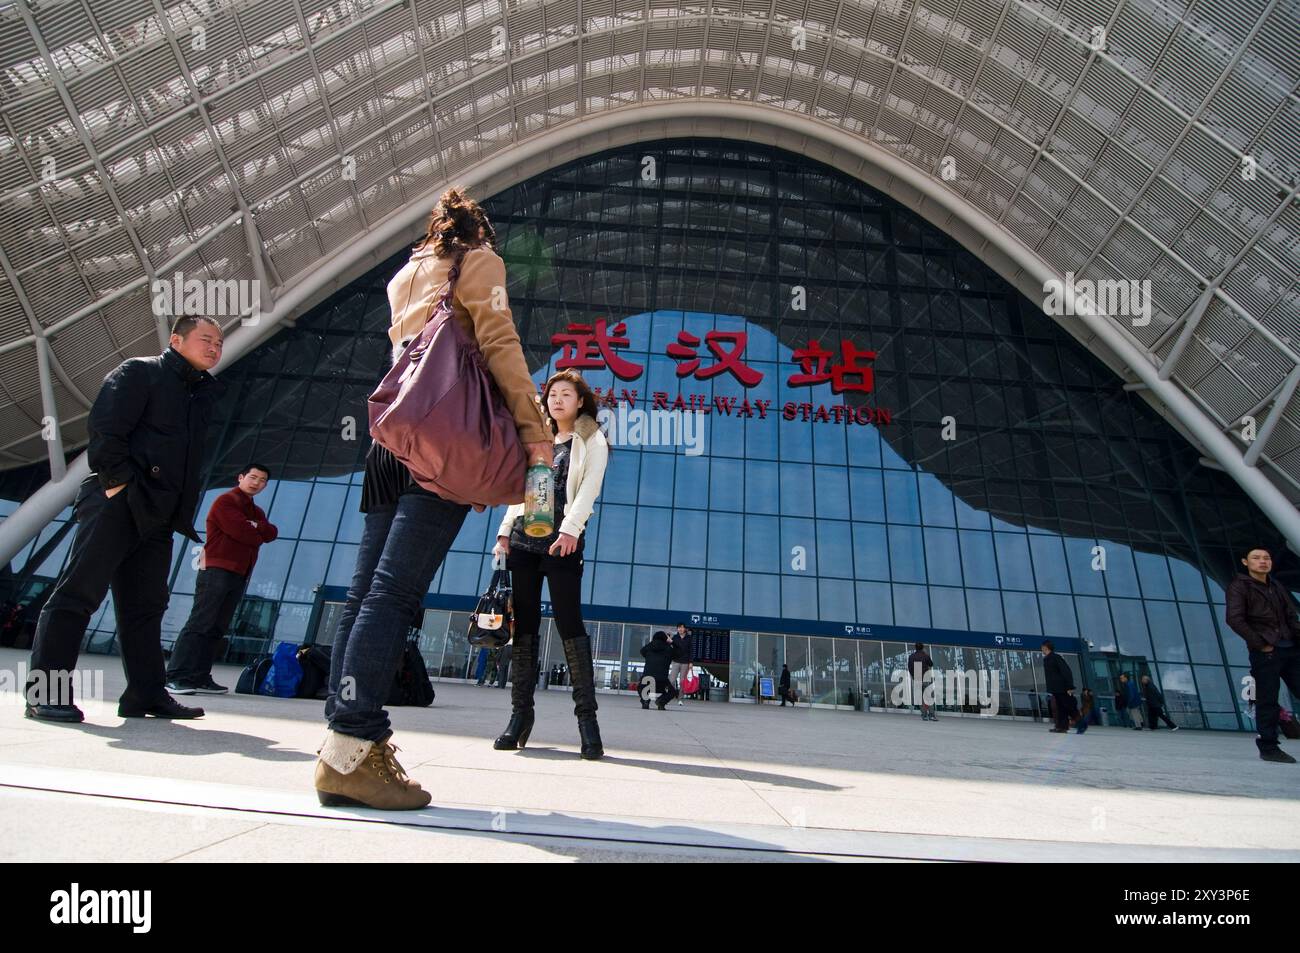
pixel 236 528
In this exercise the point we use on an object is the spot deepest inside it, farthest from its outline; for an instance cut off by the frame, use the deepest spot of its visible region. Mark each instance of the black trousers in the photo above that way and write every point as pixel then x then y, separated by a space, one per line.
pixel 216 597
pixel 1062 706
pixel 564 577
pixel 656 687
pixel 1270 670
pixel 108 552
pixel 1155 714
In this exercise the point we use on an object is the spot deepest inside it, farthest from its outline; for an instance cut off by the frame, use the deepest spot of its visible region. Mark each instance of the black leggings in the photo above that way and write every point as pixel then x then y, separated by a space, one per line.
pixel 563 574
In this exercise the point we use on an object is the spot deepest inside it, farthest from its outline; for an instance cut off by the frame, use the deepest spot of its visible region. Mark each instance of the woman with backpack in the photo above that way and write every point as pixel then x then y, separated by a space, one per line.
pixel 578 472
pixel 408 528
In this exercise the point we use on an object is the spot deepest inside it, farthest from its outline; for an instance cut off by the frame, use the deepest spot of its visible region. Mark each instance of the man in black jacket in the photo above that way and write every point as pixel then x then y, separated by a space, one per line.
pixel 1262 612
pixel 146 447
pixel 1060 685
pixel 681 663
pixel 1155 702
pixel 783 687
pixel 658 654
pixel 918 663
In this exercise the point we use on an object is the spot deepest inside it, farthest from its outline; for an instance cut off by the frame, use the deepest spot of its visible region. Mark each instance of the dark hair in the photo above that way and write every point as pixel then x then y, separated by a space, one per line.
pixel 682 625
pixel 586 396
pixel 1263 549
pixel 455 224
pixel 188 322
pixel 1048 643
pixel 920 646
pixel 660 636
pixel 257 466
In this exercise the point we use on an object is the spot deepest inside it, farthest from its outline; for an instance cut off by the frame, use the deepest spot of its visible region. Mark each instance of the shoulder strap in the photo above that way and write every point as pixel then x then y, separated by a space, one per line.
pixel 444 299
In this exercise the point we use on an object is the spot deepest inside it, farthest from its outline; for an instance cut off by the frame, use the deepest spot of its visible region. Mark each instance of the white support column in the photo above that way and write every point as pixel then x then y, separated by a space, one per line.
pixel 1270 423
pixel 54 439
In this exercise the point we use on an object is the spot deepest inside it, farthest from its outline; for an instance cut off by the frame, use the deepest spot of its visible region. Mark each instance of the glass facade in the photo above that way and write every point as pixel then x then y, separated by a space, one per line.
pixel 993 485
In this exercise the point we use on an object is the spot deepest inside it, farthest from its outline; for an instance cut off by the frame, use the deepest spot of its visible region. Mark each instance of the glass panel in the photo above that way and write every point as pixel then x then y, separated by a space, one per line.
pixel 633 662
pixel 906 554
pixel 896 686
pixel 949 667
pixel 1020 677
pixel 822 666
pixel 744 665
pixel 1014 567
pixel 875 603
pixel 872 666
pixel 1181 697
pixel 456 652
pixel 607 653
pixel 1202 636
pixel 845 662
pixel 870 551
pixel 942 557
pixel 902 502
pixel 797 657
pixel 433 638
pixel 1166 631
pixel 979 567
pixel 912 606
pixel 867 494
pixel 770 657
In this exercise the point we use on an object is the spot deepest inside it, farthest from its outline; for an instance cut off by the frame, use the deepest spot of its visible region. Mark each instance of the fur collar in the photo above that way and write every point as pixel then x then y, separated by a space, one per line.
pixel 585 426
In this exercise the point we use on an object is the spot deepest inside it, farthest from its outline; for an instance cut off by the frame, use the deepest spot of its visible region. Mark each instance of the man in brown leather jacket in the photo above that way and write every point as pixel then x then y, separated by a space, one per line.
pixel 1262 612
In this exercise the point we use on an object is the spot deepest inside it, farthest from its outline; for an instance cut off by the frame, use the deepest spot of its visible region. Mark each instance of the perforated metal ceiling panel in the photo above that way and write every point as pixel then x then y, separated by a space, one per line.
pixel 1135 140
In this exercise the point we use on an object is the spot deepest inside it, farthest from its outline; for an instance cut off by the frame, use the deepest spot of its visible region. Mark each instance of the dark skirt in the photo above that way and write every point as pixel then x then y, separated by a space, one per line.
pixel 385 480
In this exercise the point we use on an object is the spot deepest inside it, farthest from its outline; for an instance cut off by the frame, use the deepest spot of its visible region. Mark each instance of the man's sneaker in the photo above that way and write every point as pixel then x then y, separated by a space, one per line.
pixel 209 687
pixel 181 688
pixel 1174 728
pixel 1277 755
pixel 680 703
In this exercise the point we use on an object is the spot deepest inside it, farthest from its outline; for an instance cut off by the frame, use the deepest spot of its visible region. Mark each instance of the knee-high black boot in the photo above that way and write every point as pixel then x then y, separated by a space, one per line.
pixel 582 672
pixel 523 665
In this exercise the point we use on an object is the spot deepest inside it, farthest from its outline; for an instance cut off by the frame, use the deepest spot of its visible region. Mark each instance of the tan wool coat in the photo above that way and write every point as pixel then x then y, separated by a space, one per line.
pixel 484 315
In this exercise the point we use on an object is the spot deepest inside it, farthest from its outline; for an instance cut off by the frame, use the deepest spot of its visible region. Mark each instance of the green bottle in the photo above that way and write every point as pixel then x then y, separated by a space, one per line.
pixel 539 501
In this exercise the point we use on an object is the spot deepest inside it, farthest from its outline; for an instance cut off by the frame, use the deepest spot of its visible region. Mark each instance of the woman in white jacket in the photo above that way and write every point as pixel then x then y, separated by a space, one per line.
pixel 578 468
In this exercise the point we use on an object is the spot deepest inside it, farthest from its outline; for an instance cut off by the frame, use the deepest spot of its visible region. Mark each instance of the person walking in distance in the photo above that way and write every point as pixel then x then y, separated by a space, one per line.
pixel 408 529
pixel 237 528
pixel 681 664
pixel 918 663
pixel 1086 706
pixel 578 472
pixel 147 429
pixel 1155 702
pixel 1060 685
pixel 658 655
pixel 504 655
pixel 1262 612
pixel 1132 699
pixel 783 686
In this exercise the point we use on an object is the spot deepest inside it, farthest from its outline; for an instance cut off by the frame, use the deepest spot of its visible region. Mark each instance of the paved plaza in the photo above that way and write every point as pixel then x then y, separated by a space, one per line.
pixel 711 781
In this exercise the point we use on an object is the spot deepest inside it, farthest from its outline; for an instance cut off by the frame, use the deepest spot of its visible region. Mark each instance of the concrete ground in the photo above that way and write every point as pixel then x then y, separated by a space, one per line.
pixel 704 782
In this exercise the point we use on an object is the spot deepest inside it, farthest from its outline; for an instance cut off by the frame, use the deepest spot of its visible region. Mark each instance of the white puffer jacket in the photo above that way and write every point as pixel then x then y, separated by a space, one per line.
pixel 588 457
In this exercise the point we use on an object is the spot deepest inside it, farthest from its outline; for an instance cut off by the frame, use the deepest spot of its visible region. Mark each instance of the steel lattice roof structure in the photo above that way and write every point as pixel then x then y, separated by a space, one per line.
pixel 298 142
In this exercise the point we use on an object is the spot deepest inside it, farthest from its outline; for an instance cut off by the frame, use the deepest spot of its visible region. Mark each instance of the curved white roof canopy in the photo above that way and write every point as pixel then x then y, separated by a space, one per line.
pixel 300 143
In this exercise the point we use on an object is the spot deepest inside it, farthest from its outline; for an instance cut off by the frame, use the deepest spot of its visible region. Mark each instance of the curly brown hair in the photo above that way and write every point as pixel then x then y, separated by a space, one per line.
pixel 586 396
pixel 456 224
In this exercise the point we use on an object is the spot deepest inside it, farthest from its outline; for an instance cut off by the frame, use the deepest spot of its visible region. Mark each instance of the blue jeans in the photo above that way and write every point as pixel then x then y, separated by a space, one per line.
pixel 401 548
